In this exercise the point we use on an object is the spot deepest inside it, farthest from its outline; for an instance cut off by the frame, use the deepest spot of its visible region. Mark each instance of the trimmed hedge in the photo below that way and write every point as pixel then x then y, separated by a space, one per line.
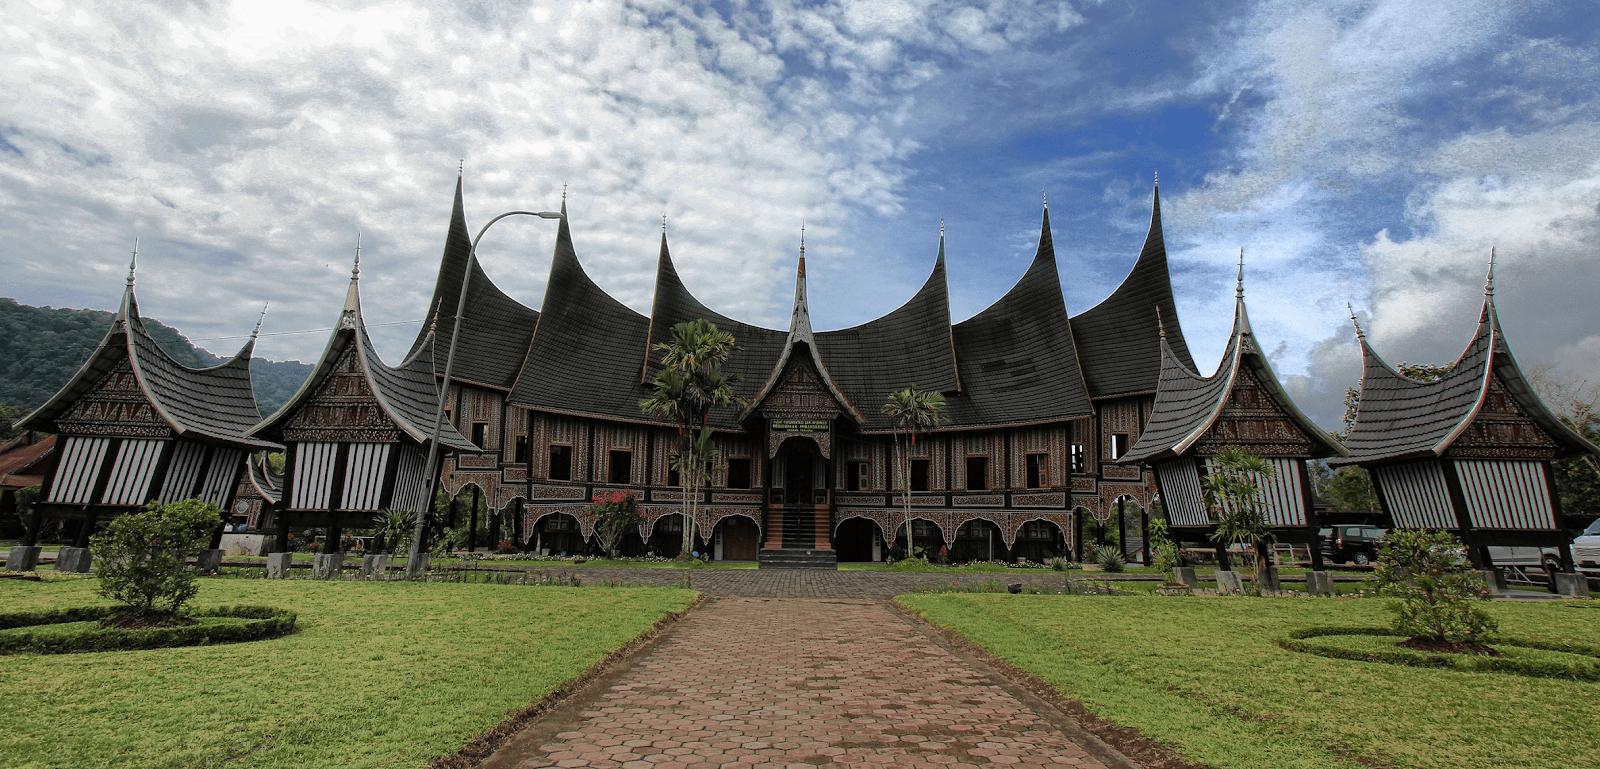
pixel 265 622
pixel 1575 671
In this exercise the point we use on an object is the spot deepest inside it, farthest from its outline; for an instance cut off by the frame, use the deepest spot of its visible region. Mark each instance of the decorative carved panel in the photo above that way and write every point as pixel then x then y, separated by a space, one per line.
pixel 115 407
pixel 1252 419
pixel 986 500
pixel 541 491
pixel 1056 499
pixel 800 395
pixel 1502 430
pixel 343 409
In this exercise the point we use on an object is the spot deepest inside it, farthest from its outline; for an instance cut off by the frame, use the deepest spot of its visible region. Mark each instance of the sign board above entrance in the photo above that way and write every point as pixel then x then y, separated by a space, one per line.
pixel 799 425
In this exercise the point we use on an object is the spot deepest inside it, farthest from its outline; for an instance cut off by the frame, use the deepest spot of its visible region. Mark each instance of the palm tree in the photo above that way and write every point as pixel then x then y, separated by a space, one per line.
pixel 1232 493
pixel 690 384
pixel 914 411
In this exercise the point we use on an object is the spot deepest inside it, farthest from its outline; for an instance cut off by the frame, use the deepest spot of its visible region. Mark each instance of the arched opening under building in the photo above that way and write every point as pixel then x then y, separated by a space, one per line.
pixel 859 540
pixel 927 541
pixel 736 538
pixel 1039 540
pixel 666 539
pixel 978 540
pixel 559 534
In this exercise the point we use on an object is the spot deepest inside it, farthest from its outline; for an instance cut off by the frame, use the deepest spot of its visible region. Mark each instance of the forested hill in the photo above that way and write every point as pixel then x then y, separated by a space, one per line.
pixel 42 347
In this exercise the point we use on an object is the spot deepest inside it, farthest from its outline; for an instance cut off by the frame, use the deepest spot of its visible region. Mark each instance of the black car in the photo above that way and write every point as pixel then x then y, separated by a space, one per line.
pixel 1351 543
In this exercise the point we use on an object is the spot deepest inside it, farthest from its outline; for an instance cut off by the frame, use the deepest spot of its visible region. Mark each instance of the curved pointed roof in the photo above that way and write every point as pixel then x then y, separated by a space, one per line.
pixel 1188 405
pixel 213 404
pixel 1119 341
pixel 495 330
pixel 1018 362
pixel 1399 417
pixel 800 335
pixel 758 349
pixel 912 345
pixel 407 393
pixel 584 355
pixel 266 483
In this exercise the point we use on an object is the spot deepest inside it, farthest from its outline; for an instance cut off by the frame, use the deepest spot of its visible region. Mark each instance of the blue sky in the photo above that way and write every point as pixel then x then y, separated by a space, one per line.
pixel 1363 152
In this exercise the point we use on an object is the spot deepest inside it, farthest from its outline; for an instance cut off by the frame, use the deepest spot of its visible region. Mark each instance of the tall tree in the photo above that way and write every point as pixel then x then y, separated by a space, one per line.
pixel 688 386
pixel 1232 492
pixel 914 411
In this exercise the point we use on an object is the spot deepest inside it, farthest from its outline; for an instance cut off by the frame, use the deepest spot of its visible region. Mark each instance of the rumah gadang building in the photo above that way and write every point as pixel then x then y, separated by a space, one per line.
pixel 1039 405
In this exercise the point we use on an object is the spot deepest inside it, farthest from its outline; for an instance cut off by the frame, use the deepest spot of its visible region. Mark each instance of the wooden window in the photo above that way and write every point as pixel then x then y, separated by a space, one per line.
pixel 620 467
pixel 1080 462
pixel 1038 471
pixel 673 478
pixel 919 475
pixel 560 463
pixel 559 523
pixel 855 475
pixel 1119 445
pixel 977 473
pixel 520 456
pixel 926 528
pixel 480 434
pixel 739 473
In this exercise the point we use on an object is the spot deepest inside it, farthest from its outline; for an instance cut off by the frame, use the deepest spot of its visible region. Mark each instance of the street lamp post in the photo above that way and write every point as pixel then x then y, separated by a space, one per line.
pixel 416 561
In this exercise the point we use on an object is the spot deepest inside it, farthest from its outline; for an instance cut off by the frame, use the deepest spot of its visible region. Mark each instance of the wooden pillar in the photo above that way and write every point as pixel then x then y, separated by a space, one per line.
pixel 1122 529
pixel 472 531
pixel 516 523
pixel 1223 562
pixel 1144 535
pixel 330 544
pixel 454 505
pixel 494 530
pixel 91 516
pixel 283 531
pixel 216 535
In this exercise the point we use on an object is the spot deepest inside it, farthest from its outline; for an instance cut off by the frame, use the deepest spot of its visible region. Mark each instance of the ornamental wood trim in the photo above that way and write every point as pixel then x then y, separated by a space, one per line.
pixel 115 407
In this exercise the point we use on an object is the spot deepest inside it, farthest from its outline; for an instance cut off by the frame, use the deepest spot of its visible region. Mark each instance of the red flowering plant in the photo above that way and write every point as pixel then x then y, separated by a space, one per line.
pixel 611 513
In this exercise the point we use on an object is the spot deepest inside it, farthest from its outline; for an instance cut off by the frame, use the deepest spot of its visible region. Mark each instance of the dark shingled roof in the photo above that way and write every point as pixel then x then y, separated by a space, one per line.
pixel 1119 342
pixel 1187 404
pixel 215 404
pixel 496 328
pixel 758 348
pixel 267 483
pixel 1017 358
pixel 800 335
pixel 1401 418
pixel 408 393
pixel 585 355
pixel 911 345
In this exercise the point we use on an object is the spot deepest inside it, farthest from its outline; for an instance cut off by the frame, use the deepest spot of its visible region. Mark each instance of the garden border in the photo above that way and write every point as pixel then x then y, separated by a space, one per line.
pixel 269 623
pixel 1297 641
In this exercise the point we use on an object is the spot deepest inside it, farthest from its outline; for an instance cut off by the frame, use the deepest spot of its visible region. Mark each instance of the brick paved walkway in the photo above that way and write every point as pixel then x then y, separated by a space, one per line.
pixel 748 683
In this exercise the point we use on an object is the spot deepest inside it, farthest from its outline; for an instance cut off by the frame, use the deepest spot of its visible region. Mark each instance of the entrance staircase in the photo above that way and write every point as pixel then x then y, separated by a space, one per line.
pixel 797 538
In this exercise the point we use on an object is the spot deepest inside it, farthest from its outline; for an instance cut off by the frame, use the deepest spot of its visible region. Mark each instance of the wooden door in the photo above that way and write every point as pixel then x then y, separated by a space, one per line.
pixel 740 539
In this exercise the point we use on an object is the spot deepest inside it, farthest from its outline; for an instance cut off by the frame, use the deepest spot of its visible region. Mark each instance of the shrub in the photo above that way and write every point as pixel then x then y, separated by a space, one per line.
pixel 1165 552
pixel 612 514
pixel 1427 575
pixel 144 556
pixel 1058 563
pixel 1109 559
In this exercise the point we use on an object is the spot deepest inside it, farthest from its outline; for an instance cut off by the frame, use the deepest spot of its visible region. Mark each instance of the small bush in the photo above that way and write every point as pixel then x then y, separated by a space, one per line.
pixel 261 622
pixel 144 556
pixel 1058 563
pixel 1109 559
pixel 1427 575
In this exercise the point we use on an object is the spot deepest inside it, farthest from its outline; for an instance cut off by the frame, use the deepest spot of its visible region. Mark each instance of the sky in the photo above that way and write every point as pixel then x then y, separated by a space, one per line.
pixel 1370 153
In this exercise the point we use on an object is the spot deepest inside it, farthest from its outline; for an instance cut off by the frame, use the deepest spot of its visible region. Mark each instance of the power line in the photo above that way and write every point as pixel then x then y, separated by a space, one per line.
pixel 220 338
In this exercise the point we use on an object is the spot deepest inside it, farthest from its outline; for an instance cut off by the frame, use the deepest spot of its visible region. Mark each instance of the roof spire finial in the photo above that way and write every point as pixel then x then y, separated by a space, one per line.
pixel 663 224
pixel 257 331
pixel 1355 321
pixel 1157 175
pixel 941 228
pixel 1488 285
pixel 1238 290
pixel 133 264
pixel 802 239
pixel 355 272
pixel 563 193
pixel 1046 195
pixel 433 323
pixel 1161 324
pixel 461 167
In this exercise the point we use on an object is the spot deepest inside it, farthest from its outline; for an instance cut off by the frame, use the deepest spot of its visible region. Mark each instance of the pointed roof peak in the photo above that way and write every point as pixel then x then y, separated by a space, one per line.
pixel 1238 291
pixel 133 264
pixel 938 261
pixel 1355 322
pixel 1156 177
pixel 800 318
pixel 1045 196
pixel 1488 284
pixel 355 271
pixel 257 332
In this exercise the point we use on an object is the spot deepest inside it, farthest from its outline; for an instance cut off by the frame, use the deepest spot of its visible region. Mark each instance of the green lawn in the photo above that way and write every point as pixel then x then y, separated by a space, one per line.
pixel 383 674
pixel 1203 674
